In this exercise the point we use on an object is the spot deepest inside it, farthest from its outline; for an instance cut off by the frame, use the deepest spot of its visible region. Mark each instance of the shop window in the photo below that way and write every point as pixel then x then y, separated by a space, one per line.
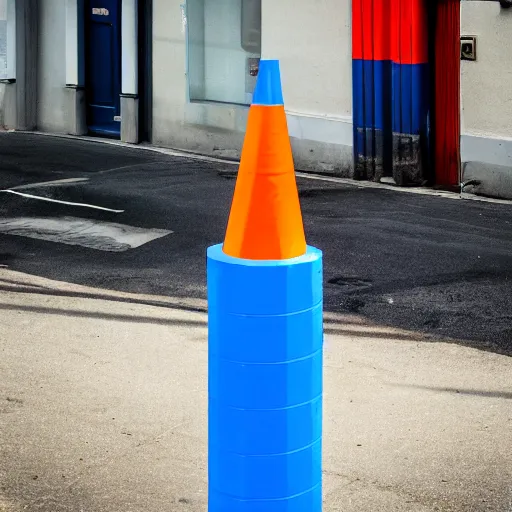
pixel 7 39
pixel 3 39
pixel 224 48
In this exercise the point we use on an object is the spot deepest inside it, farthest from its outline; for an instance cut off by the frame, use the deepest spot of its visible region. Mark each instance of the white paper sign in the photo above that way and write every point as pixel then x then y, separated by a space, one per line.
pixel 100 11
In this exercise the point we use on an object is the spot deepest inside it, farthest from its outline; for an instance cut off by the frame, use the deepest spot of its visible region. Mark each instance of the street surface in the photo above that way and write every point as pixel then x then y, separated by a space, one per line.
pixel 432 265
pixel 103 330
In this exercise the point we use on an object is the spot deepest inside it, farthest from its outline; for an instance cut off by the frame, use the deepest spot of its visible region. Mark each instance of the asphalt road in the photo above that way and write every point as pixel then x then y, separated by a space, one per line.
pixel 433 265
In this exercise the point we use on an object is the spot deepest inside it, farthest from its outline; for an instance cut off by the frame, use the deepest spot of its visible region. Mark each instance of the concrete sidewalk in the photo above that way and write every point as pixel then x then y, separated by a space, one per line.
pixel 103 401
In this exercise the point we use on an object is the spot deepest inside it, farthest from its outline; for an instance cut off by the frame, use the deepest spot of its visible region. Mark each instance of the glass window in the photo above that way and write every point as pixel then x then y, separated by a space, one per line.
pixel 224 49
pixel 3 40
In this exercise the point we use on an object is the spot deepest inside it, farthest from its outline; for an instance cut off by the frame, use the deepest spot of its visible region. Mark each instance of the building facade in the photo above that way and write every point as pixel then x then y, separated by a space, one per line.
pixel 367 96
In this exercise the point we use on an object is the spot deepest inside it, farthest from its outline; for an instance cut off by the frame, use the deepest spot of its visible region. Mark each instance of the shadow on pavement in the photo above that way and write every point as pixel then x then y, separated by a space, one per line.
pixel 338 325
pixel 469 392
pixel 103 316
pixel 34 289
pixel 373 334
pixel 40 290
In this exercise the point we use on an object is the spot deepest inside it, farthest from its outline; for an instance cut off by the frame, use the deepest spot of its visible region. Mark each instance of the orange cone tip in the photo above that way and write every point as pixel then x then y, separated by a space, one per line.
pixel 265 222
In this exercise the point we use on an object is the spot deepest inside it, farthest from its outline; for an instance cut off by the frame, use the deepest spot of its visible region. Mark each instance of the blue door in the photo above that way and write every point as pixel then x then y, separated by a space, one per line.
pixel 103 67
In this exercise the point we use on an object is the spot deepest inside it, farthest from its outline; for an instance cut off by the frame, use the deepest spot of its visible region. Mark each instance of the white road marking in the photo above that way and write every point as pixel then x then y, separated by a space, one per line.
pixel 122 168
pixel 56 183
pixel 47 199
pixel 93 234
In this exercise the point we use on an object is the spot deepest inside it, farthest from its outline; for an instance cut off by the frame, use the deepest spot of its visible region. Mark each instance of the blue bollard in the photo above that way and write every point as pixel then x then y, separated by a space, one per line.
pixel 265 383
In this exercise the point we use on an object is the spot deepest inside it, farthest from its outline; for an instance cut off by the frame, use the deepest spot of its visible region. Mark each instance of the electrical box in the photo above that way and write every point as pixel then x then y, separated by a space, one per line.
pixel 253 65
pixel 468 48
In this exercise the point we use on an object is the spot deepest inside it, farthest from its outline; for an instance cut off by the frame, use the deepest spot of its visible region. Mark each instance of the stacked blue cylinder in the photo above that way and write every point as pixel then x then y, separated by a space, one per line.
pixel 265 383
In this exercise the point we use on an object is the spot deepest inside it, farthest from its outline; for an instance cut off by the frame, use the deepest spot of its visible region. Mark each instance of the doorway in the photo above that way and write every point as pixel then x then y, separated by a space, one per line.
pixel 406 73
pixel 390 89
pixel 103 67
pixel 145 37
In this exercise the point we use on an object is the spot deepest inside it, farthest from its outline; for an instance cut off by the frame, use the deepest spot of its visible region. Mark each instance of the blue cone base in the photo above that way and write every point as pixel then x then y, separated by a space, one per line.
pixel 265 383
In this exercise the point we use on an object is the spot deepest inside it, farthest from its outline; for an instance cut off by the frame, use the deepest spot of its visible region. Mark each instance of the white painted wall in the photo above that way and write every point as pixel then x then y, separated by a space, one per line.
pixel 169 64
pixel 51 80
pixel 129 47
pixel 486 85
pixel 210 128
pixel 313 41
pixel 486 99
pixel 72 44
pixel 75 30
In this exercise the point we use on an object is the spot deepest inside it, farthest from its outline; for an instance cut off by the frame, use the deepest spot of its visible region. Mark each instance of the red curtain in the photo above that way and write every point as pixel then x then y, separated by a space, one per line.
pixel 447 93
